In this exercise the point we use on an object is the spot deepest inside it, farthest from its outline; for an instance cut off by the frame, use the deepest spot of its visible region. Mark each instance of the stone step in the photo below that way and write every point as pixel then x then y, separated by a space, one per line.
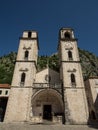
pixel 30 126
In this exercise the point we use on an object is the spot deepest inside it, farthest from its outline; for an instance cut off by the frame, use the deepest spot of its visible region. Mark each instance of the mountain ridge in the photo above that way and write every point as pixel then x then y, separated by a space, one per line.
pixel 89 63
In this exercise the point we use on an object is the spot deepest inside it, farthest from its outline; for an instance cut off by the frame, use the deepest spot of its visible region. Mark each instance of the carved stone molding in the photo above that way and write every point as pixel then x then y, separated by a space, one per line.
pixel 70 48
pixel 23 69
pixel 26 48
pixel 72 71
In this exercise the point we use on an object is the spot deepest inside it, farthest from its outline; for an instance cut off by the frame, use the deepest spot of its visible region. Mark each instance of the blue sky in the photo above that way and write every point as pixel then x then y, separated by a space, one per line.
pixel 47 17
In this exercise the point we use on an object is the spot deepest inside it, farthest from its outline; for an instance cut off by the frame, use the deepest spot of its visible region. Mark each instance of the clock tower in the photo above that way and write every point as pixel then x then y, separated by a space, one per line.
pixel 75 105
pixel 19 103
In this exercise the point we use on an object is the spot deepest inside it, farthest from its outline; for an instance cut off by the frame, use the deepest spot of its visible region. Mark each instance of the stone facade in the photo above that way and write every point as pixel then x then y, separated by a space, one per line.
pixel 91 86
pixel 48 95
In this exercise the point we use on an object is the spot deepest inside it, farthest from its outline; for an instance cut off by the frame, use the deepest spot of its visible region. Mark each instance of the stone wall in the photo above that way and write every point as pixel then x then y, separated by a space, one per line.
pixel 18 105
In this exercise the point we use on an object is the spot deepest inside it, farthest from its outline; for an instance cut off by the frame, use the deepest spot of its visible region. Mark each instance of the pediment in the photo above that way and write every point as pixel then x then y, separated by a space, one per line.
pixel 47 76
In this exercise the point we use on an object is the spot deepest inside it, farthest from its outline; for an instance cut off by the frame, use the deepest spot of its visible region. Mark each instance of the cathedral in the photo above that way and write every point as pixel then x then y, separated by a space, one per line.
pixel 57 97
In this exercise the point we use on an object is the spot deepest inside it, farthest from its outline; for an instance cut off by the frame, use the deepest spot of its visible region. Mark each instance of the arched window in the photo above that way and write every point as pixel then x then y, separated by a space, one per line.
pixel 23 76
pixel 73 80
pixel 26 55
pixel 67 35
pixel 70 55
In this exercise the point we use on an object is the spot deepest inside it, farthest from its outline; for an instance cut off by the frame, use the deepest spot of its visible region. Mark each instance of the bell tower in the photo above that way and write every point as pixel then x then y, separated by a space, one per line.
pixel 76 111
pixel 19 103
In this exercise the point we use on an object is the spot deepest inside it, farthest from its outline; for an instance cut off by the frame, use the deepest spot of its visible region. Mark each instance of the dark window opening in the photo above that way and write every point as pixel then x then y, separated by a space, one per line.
pixel 67 35
pixel 0 91
pixel 23 76
pixel 6 92
pixel 70 55
pixel 73 81
pixel 29 34
pixel 26 55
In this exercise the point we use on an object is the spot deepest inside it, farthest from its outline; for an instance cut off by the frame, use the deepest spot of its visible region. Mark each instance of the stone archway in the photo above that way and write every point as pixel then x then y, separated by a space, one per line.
pixel 47 105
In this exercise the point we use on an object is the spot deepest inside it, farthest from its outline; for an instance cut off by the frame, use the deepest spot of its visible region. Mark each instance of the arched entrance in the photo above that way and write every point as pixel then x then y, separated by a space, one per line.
pixel 47 105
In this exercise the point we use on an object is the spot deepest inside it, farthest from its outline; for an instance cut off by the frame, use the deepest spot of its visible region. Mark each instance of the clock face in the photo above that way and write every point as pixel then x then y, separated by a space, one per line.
pixel 69 45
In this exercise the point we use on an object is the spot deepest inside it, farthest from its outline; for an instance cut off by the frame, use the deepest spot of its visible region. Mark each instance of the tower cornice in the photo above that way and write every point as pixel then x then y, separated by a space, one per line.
pixel 66 40
pixel 29 61
pixel 71 61
pixel 25 38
